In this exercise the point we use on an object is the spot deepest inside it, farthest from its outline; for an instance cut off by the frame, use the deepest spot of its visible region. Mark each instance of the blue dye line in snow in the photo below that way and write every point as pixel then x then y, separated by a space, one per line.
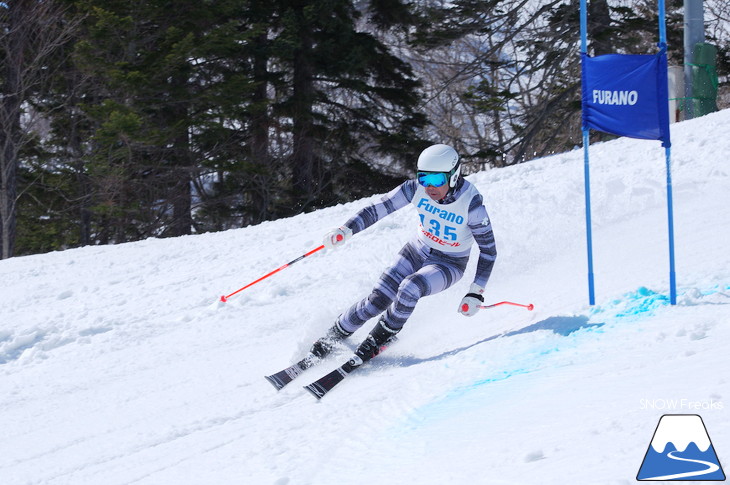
pixel 499 376
pixel 644 302
pixel 454 398
pixel 469 396
pixel 717 289
pixel 640 303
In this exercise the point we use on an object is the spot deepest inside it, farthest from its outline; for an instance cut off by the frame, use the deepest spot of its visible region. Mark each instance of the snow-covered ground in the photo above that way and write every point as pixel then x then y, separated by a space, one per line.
pixel 119 365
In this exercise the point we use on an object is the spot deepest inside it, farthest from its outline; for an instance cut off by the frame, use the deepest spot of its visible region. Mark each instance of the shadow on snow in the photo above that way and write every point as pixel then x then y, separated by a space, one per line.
pixel 559 325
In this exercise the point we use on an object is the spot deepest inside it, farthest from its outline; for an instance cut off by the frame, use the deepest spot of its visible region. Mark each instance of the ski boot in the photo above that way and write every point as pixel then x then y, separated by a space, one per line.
pixel 322 347
pixel 380 337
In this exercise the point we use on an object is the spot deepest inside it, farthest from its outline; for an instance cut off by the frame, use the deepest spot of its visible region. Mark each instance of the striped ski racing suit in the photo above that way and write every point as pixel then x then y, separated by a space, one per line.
pixel 434 260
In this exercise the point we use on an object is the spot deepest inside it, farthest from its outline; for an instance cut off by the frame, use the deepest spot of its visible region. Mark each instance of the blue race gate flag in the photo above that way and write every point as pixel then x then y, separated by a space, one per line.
pixel 627 95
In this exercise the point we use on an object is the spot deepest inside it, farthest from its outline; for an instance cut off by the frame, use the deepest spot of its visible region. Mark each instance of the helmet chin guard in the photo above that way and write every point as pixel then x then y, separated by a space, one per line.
pixel 441 158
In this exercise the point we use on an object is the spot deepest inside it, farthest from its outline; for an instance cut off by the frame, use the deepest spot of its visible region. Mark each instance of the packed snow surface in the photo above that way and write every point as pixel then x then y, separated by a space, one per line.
pixel 120 365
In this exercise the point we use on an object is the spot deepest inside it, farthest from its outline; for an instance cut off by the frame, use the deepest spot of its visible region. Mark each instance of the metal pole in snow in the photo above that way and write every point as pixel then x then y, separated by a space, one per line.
pixel 668 156
pixel 586 160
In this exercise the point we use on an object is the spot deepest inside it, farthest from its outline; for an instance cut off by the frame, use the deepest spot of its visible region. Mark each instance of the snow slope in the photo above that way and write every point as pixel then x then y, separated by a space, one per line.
pixel 118 365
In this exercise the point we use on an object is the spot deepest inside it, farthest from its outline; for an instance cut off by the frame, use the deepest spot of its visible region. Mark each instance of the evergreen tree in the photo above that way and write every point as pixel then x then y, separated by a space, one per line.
pixel 139 56
pixel 166 118
pixel 343 92
pixel 204 116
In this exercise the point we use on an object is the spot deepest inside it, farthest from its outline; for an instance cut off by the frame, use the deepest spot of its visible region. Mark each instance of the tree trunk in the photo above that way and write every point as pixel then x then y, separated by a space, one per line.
pixel 182 223
pixel 8 184
pixel 260 125
pixel 599 27
pixel 182 217
pixel 15 38
pixel 303 158
pixel 182 165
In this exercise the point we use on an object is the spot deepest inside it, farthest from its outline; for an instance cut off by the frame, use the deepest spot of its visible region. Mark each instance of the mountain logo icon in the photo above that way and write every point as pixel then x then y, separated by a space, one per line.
pixel 681 450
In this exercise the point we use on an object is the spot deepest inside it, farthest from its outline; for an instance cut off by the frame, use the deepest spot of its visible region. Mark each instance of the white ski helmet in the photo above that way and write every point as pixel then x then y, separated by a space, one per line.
pixel 440 158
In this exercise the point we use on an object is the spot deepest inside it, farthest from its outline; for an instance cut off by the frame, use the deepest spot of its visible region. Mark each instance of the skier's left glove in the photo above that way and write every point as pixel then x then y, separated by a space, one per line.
pixel 470 303
pixel 337 237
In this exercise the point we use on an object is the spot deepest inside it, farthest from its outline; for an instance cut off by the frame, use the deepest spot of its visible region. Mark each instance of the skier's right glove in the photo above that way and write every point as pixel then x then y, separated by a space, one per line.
pixel 470 303
pixel 337 237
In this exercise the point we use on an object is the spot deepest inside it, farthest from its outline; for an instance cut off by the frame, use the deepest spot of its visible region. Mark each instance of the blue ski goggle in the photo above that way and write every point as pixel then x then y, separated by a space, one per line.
pixel 434 179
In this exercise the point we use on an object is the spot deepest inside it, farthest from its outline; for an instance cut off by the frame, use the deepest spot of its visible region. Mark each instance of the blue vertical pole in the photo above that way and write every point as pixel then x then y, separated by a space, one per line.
pixel 586 159
pixel 589 236
pixel 668 153
pixel 662 24
pixel 583 27
pixel 670 219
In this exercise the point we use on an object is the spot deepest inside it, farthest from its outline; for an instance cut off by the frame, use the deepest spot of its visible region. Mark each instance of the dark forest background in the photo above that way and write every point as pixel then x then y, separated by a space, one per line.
pixel 123 120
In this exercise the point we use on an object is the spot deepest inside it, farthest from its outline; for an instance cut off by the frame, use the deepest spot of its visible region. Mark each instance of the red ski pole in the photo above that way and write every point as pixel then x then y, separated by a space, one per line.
pixel 529 306
pixel 225 298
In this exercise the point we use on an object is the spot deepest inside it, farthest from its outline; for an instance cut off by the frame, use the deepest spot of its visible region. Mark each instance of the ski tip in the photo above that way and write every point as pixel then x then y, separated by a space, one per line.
pixel 315 391
pixel 223 298
pixel 275 382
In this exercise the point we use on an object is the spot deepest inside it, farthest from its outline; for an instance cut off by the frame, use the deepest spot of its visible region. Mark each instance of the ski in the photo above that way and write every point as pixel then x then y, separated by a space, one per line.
pixel 325 384
pixel 285 376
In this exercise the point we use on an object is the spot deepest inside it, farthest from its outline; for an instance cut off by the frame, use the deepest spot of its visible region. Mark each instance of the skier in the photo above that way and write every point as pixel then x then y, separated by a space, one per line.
pixel 452 216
